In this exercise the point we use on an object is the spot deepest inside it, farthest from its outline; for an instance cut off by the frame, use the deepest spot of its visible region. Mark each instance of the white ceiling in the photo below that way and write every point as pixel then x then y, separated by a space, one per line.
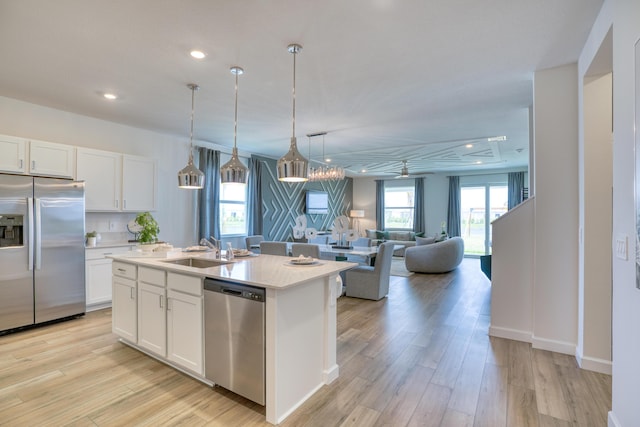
pixel 388 80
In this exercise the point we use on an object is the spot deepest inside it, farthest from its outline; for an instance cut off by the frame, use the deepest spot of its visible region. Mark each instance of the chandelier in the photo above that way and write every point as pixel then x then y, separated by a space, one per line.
pixel 323 172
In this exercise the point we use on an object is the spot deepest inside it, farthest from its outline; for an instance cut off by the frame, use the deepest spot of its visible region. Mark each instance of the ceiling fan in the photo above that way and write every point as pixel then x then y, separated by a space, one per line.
pixel 404 172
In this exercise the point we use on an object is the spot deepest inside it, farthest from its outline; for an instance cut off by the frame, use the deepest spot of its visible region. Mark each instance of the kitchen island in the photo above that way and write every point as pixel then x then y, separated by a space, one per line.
pixel 158 309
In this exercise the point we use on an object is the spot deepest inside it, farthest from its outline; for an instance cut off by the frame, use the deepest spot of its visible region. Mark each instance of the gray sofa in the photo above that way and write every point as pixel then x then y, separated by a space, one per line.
pixel 404 238
pixel 437 257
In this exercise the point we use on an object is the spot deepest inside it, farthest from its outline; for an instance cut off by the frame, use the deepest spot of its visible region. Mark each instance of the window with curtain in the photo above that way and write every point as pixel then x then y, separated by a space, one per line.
pixel 233 209
pixel 399 206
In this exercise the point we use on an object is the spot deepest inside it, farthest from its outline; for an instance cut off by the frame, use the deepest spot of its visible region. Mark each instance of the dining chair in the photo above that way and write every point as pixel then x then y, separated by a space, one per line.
pixel 371 282
pixel 253 242
pixel 362 241
pixel 273 248
pixel 305 249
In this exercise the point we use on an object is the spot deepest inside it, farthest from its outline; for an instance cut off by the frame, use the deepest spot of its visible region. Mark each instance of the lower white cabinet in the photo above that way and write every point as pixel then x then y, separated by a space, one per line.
pixel 98 276
pixel 152 320
pixel 184 330
pixel 124 315
pixel 166 315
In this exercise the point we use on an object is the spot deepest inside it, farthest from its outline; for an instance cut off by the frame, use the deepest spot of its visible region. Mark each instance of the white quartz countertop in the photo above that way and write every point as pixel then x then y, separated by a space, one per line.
pixel 266 271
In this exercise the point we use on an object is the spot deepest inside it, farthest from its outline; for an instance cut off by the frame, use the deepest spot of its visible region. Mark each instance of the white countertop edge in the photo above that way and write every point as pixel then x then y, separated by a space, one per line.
pixel 266 271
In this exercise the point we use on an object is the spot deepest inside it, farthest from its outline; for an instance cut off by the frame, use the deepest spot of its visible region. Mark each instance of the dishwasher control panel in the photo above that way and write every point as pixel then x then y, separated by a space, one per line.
pixel 235 289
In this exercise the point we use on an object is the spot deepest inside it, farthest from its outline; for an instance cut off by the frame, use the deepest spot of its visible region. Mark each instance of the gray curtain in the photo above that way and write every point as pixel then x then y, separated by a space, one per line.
pixel 453 211
pixel 418 210
pixel 254 209
pixel 379 204
pixel 515 185
pixel 208 202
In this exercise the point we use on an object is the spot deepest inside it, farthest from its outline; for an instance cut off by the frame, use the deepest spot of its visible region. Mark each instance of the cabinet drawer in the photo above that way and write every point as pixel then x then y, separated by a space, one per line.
pixel 124 270
pixel 183 283
pixel 152 276
pixel 100 253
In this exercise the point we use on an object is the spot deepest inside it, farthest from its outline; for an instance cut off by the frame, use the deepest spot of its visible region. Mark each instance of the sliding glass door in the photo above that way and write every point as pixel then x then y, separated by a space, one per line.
pixel 479 205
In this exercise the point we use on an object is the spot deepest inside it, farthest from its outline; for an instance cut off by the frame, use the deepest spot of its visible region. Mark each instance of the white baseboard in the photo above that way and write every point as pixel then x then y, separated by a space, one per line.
pixel 594 364
pixel 613 421
pixel 552 345
pixel 511 334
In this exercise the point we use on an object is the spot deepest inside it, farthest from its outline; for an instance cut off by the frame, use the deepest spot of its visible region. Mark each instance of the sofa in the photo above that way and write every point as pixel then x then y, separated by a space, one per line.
pixel 434 257
pixel 404 238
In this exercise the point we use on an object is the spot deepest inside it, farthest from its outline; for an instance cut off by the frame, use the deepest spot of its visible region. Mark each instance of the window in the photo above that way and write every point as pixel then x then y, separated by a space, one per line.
pixel 233 209
pixel 398 207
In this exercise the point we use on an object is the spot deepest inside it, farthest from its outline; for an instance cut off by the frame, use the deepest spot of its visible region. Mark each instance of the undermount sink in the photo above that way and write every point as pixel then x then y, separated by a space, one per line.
pixel 197 262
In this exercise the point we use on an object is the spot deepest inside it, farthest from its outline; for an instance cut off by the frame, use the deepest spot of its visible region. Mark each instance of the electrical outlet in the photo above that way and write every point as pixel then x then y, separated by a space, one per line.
pixel 112 226
pixel 621 247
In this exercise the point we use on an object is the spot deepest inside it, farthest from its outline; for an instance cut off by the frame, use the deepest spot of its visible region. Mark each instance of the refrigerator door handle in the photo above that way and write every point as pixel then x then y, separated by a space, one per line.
pixel 38 230
pixel 30 219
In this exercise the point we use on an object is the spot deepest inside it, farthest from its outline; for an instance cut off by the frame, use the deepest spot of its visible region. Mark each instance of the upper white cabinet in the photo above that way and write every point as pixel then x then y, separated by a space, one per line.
pixel 139 183
pixel 13 154
pixel 117 182
pixel 42 158
pixel 102 173
pixel 50 159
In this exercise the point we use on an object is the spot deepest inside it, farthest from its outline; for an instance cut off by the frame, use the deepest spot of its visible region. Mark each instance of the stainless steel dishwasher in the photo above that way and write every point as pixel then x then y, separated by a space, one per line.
pixel 235 337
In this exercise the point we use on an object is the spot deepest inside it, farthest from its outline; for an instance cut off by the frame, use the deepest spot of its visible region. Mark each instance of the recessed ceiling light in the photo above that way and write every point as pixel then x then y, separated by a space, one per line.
pixel 469 145
pixel 110 96
pixel 327 159
pixel 479 162
pixel 363 171
pixel 198 54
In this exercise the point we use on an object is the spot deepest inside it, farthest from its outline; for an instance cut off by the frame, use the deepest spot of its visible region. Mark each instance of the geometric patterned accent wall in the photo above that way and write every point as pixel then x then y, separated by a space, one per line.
pixel 282 202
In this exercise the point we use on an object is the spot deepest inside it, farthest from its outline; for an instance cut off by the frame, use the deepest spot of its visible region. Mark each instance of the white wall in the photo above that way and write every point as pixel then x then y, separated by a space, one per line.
pixel 555 291
pixel 594 322
pixel 626 298
pixel 175 210
pixel 512 273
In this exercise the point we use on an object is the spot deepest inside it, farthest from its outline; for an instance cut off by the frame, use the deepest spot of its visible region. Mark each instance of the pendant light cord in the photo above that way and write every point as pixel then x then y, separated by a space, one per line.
pixel 295 52
pixel 193 97
pixel 235 122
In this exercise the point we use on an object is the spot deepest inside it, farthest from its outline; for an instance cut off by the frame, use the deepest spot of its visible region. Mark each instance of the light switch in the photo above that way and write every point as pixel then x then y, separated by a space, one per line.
pixel 621 247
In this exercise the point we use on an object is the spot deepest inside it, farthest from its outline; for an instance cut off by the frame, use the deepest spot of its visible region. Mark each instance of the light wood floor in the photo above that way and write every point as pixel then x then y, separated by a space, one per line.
pixel 420 357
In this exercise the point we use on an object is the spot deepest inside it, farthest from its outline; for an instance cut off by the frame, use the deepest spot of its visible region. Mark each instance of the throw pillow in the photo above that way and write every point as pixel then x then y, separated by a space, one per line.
pixel 425 241
pixel 379 235
pixel 420 234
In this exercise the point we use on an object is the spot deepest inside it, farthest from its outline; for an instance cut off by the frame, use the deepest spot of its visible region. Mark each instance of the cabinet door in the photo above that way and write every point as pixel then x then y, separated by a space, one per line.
pixel 184 331
pixel 152 319
pixel 124 314
pixel 13 154
pixel 47 158
pixel 98 281
pixel 139 184
pixel 101 171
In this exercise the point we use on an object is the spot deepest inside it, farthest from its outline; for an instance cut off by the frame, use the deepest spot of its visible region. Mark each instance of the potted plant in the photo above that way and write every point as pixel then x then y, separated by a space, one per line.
pixel 91 238
pixel 149 228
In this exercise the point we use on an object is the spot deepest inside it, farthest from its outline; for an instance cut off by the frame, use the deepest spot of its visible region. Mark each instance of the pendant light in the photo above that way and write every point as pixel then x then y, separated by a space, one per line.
pixel 293 167
pixel 191 177
pixel 234 172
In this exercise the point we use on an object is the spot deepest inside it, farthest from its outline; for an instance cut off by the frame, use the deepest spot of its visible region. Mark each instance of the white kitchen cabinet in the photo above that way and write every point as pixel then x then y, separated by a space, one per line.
pixel 152 318
pixel 51 159
pixel 102 173
pixel 124 315
pixel 13 154
pixel 185 313
pixel 139 183
pixel 98 287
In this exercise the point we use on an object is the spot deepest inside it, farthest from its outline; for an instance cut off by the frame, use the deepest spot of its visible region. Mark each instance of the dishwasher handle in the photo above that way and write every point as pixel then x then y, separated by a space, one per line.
pixel 233 292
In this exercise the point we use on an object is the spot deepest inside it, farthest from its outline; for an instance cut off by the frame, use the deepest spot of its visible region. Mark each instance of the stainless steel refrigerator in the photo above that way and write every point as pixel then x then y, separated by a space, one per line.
pixel 41 250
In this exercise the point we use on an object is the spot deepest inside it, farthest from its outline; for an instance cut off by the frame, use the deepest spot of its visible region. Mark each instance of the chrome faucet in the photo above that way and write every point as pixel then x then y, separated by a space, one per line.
pixel 213 246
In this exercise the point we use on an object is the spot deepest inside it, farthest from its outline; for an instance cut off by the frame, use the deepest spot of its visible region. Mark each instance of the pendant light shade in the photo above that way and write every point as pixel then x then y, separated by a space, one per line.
pixel 191 177
pixel 234 172
pixel 293 167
